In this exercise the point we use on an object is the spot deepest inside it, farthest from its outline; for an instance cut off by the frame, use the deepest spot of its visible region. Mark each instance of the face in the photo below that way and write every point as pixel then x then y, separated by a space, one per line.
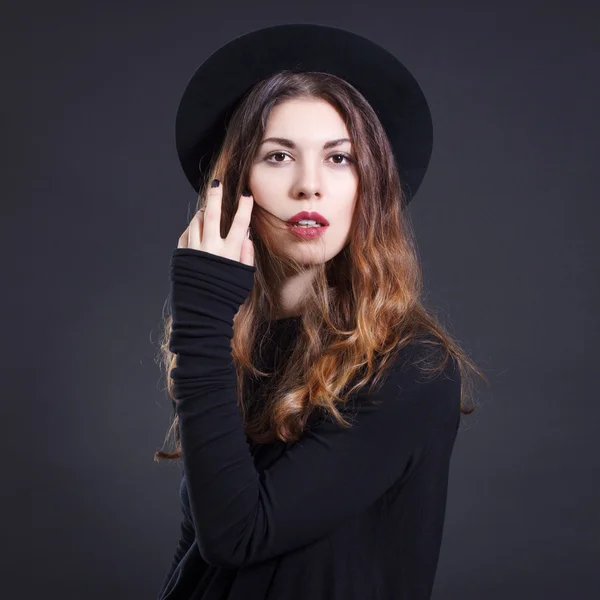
pixel 299 172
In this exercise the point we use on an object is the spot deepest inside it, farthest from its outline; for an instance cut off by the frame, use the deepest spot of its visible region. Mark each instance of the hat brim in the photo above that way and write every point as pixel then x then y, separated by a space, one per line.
pixel 222 80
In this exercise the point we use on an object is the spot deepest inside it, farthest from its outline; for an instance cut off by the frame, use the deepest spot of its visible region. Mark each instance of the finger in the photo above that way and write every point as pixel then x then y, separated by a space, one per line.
pixel 211 233
pixel 195 231
pixel 202 204
pixel 240 223
pixel 201 223
pixel 183 239
pixel 247 254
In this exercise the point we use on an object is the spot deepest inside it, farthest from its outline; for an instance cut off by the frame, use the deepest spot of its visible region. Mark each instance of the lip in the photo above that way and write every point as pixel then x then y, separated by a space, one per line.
pixel 307 233
pixel 315 216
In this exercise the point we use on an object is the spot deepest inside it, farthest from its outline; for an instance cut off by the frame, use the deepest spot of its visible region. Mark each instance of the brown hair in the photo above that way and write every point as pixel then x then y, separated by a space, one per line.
pixel 363 306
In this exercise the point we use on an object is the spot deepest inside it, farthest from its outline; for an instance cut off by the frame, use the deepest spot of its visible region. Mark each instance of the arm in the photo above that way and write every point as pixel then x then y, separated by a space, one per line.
pixel 242 516
pixel 184 543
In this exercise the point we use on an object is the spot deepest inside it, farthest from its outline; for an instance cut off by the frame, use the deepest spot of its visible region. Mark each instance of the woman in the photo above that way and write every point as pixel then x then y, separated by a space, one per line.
pixel 316 399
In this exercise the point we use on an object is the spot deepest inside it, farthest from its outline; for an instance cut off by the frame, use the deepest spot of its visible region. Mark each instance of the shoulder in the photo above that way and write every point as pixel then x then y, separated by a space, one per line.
pixel 426 357
pixel 405 395
pixel 425 380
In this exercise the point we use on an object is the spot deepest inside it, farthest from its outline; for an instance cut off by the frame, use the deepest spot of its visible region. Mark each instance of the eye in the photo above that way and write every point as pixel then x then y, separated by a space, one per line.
pixel 275 154
pixel 349 160
pixel 347 157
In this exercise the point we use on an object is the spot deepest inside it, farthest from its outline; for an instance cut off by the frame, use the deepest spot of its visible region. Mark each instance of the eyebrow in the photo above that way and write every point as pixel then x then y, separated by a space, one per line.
pixel 290 144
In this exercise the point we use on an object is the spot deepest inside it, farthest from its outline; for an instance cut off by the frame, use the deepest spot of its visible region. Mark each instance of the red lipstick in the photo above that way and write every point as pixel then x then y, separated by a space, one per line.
pixel 315 216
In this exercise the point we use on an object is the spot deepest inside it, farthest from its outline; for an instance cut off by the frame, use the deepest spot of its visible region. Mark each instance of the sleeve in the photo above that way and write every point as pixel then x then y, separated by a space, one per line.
pixel 184 543
pixel 242 516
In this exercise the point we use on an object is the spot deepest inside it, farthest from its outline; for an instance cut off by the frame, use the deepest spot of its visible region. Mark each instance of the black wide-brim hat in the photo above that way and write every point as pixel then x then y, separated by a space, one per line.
pixel 222 80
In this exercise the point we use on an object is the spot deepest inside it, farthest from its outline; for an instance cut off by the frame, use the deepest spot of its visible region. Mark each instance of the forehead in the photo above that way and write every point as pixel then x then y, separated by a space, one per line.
pixel 306 121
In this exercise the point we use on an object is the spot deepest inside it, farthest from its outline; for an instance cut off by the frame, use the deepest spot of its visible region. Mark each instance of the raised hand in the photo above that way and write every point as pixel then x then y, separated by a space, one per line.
pixel 203 232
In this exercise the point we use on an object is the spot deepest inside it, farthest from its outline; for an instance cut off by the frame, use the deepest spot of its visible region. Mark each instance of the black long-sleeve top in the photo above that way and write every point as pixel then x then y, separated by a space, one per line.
pixel 342 514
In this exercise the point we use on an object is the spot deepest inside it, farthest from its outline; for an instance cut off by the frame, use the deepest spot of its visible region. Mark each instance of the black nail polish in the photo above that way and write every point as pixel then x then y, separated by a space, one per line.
pixel 215 183
pixel 246 192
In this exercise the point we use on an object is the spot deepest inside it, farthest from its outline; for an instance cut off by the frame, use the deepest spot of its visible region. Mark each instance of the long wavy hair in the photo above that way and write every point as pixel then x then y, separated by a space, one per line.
pixel 362 306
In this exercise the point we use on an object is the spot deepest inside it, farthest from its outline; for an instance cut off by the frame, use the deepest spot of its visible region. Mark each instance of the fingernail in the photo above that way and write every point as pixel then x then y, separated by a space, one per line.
pixel 246 192
pixel 215 183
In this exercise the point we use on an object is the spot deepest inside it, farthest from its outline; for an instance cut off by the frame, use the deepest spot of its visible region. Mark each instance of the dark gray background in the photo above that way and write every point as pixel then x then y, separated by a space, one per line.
pixel 94 201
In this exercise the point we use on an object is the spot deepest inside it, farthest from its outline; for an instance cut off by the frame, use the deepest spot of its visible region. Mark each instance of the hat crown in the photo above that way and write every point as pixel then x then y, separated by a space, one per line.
pixel 225 77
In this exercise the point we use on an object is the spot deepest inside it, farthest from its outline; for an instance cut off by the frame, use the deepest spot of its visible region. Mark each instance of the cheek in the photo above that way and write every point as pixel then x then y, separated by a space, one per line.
pixel 341 228
pixel 265 188
pixel 349 212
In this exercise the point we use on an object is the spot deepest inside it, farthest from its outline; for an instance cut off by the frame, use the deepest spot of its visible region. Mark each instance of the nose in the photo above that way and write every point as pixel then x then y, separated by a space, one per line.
pixel 305 192
pixel 307 184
